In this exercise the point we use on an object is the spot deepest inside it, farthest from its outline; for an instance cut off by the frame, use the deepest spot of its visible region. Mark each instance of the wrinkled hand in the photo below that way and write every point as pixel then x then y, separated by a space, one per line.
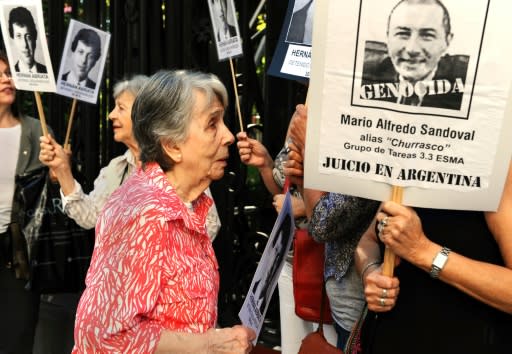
pixel 297 128
pixel 403 232
pixel 294 166
pixel 252 152
pixel 234 340
pixel 381 291
pixel 54 155
pixel 297 205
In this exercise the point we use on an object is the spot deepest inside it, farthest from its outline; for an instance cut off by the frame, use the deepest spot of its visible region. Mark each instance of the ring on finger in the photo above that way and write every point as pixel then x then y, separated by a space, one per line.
pixel 382 224
pixel 382 302
pixel 384 294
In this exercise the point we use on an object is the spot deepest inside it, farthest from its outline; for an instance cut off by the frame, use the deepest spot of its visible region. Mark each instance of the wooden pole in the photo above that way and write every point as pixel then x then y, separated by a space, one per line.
pixel 40 109
pixel 70 124
pixel 236 95
pixel 389 257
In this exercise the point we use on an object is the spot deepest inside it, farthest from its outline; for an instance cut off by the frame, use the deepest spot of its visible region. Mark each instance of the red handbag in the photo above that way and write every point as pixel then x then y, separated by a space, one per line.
pixel 315 342
pixel 308 278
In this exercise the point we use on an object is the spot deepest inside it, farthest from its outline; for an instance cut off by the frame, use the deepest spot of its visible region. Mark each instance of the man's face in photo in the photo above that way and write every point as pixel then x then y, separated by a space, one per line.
pixel 416 39
pixel 25 43
pixel 83 60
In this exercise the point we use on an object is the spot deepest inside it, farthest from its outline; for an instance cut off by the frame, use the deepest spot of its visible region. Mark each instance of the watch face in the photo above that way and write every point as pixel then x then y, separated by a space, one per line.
pixel 439 262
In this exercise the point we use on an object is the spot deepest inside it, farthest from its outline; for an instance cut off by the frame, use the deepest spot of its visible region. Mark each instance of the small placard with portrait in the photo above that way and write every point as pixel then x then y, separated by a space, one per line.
pixel 225 29
pixel 24 36
pixel 83 61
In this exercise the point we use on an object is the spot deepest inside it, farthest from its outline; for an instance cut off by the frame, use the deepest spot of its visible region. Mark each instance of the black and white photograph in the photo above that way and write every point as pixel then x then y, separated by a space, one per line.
pixel 225 28
pixel 25 40
pixel 269 267
pixel 418 53
pixel 82 62
pixel 262 289
pixel 300 30
pixel 292 57
pixel 442 151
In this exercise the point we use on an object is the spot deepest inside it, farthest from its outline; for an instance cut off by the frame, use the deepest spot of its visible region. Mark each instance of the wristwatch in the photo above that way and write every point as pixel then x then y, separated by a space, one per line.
pixel 439 262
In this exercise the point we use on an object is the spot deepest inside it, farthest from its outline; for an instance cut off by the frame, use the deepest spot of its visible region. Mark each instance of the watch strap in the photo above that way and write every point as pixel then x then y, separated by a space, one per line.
pixel 439 262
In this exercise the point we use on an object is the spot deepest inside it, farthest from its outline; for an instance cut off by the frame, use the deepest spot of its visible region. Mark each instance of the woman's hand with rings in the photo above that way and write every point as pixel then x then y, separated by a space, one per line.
pixel 381 291
pixel 400 229
pixel 381 225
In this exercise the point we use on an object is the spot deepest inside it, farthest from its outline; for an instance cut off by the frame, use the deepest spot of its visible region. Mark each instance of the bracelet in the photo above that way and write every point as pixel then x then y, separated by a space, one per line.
pixel 366 267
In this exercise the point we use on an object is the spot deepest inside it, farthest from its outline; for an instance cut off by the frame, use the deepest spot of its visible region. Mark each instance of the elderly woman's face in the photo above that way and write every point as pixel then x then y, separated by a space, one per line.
pixel 121 118
pixel 205 151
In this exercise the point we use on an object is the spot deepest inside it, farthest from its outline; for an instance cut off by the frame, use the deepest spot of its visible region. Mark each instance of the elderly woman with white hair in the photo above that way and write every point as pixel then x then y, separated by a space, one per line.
pixel 153 282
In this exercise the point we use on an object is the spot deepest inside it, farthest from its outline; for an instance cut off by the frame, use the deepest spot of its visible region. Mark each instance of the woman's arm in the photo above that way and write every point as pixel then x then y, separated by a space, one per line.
pixel 489 283
pixel 237 339
pixel 81 207
pixel 368 262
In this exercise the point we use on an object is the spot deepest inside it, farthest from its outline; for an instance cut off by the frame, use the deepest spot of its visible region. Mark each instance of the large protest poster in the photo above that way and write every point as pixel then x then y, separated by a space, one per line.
pixel 225 29
pixel 83 60
pixel 24 36
pixel 269 268
pixel 292 57
pixel 423 104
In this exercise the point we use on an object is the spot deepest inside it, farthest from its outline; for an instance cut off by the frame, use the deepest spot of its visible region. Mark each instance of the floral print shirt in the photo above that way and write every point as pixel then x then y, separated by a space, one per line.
pixel 153 268
pixel 340 220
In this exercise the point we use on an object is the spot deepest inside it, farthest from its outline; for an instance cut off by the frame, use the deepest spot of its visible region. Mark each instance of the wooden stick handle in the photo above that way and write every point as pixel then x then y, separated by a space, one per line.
pixel 236 95
pixel 70 123
pixel 389 257
pixel 40 109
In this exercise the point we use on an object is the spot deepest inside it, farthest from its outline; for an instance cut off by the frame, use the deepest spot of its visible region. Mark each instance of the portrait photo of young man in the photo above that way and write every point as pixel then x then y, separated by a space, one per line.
pixel 301 23
pixel 224 30
pixel 23 33
pixel 84 53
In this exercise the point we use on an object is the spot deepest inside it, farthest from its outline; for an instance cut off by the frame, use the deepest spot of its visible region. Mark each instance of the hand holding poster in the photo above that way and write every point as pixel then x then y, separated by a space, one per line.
pixel 264 281
pixel 421 109
pixel 25 42
pixel 83 61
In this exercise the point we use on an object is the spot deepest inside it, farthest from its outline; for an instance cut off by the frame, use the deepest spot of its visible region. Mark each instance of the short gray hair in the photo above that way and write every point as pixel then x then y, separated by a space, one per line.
pixel 162 110
pixel 131 85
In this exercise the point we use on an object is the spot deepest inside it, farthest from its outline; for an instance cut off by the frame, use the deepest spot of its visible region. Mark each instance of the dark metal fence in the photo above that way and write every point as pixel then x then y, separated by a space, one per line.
pixel 148 35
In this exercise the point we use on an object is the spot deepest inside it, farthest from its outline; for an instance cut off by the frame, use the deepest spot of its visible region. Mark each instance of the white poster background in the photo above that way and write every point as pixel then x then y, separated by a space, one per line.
pixel 250 314
pixel 44 82
pixel 80 92
pixel 231 47
pixel 451 173
pixel 297 60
